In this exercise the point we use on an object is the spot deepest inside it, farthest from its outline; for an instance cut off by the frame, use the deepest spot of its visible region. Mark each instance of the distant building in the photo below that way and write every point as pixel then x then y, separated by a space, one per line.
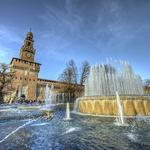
pixel 147 90
pixel 26 82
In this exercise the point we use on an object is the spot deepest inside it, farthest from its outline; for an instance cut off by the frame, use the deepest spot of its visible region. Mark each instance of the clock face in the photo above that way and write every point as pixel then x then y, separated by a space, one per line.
pixel 28 55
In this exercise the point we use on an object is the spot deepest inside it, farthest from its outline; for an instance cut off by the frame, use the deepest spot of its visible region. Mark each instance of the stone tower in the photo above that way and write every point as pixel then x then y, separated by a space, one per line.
pixel 26 70
pixel 27 51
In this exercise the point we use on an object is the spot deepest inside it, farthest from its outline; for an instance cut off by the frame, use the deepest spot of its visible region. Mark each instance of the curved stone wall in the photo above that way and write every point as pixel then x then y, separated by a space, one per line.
pixel 132 106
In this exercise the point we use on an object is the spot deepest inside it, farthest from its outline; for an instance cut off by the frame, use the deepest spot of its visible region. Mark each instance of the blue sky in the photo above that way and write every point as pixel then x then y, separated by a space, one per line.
pixel 91 30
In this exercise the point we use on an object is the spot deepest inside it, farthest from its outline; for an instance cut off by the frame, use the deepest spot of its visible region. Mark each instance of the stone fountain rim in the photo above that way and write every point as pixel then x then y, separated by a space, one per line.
pixel 97 97
pixel 105 116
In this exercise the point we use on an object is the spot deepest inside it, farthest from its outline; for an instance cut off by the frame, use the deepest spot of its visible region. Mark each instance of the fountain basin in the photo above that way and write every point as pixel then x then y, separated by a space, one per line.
pixel 99 105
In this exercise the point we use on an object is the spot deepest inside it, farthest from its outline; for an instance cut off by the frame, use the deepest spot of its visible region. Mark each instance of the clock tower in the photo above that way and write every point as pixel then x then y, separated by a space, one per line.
pixel 27 51
pixel 26 70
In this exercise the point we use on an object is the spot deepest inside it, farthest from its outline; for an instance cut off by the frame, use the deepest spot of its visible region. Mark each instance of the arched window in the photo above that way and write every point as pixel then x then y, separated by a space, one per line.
pixel 29 43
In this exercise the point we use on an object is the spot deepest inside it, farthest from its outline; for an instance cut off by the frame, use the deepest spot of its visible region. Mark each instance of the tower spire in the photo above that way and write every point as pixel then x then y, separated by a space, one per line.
pixel 27 51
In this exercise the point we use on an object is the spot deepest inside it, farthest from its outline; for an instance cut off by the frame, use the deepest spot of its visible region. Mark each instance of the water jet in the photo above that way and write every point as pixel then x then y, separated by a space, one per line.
pixel 67 115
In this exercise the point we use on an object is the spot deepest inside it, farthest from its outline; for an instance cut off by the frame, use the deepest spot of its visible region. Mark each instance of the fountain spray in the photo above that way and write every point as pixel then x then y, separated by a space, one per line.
pixel 120 119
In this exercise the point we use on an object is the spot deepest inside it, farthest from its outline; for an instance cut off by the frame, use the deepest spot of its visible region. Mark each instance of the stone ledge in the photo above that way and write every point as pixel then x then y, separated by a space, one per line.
pixel 105 106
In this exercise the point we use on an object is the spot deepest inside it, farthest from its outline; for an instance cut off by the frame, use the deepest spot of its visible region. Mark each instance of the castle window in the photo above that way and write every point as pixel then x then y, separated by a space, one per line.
pixel 29 43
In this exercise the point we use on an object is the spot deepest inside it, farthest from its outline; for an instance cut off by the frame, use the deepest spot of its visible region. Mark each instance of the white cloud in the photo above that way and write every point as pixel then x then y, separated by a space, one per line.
pixel 98 24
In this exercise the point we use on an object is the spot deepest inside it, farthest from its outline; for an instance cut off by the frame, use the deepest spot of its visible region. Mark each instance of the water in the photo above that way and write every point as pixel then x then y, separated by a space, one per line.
pixel 105 79
pixel 63 97
pixel 49 97
pixel 17 129
pixel 8 112
pixel 75 109
pixel 52 98
pixel 67 116
pixel 120 119
pixel 81 133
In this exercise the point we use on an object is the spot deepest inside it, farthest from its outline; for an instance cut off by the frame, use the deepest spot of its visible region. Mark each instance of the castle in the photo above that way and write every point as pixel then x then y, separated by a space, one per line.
pixel 26 81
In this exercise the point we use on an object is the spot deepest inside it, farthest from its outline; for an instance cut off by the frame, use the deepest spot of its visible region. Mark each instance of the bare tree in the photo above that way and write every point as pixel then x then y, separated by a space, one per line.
pixel 84 72
pixel 70 74
pixel 6 78
pixel 70 77
pixel 72 68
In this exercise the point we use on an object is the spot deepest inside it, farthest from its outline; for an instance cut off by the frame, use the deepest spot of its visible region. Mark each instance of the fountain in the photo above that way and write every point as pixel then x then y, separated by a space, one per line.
pixel 106 79
pixel 47 96
pixel 48 108
pixel 62 98
pixel 75 108
pixel 120 119
pixel 100 91
pixel 67 116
